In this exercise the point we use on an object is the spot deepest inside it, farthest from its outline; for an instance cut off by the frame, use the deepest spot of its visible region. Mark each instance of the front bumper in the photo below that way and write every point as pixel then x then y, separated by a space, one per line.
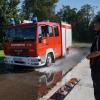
pixel 24 61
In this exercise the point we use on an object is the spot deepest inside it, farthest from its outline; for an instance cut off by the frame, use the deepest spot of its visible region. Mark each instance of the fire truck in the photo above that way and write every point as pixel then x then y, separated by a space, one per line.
pixel 36 43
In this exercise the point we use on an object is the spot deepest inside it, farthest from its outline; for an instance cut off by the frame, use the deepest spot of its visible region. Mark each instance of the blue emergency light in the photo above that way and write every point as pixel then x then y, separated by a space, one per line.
pixel 34 18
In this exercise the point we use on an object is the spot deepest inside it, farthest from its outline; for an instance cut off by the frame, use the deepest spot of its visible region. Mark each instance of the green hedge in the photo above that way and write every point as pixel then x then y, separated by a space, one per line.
pixel 1 54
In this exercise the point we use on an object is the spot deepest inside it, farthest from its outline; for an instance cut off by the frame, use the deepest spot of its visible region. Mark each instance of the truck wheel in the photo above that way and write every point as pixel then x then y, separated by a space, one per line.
pixel 49 60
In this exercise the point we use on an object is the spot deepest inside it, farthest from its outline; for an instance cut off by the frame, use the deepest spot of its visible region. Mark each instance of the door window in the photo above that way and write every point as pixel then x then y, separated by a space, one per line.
pixel 43 30
pixel 50 31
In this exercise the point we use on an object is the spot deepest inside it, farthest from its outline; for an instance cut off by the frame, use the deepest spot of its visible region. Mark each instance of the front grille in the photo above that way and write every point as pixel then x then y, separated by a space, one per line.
pixel 19 52
pixel 20 62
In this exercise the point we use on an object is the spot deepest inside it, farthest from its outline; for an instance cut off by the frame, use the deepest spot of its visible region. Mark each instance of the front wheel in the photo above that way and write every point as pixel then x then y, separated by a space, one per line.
pixel 49 60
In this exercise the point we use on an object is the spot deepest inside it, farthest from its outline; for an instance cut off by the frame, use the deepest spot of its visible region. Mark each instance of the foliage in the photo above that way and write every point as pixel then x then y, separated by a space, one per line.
pixel 44 9
pixel 1 54
pixel 8 9
pixel 81 21
pixel 67 14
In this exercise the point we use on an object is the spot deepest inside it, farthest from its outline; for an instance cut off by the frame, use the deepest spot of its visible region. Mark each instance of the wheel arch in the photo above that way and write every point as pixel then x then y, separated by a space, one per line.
pixel 50 51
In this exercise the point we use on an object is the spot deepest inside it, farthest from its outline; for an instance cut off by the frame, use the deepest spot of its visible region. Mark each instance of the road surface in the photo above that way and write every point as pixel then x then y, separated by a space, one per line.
pixel 20 83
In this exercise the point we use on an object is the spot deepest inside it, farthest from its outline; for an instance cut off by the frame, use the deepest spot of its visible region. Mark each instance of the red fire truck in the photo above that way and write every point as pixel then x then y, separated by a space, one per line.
pixel 36 44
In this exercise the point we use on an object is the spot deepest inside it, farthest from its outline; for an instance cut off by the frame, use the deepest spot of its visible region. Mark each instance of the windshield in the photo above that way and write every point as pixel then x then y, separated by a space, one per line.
pixel 21 33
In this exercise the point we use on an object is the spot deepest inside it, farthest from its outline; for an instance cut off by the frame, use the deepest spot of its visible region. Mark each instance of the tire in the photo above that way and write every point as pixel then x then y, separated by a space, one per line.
pixel 49 60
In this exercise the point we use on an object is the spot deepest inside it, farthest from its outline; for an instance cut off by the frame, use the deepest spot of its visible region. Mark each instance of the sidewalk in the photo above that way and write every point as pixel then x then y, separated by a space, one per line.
pixel 83 90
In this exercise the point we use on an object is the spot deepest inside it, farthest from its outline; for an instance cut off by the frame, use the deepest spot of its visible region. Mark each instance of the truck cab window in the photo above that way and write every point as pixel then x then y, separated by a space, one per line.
pixel 56 31
pixel 50 31
pixel 39 31
pixel 44 30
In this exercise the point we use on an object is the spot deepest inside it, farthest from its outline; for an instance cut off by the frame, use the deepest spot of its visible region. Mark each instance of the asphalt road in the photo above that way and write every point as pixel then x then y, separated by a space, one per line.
pixel 67 63
pixel 20 83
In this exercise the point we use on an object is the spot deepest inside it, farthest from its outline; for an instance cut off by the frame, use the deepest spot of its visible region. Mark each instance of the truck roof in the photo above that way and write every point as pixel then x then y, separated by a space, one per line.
pixel 27 23
pixel 66 25
pixel 36 23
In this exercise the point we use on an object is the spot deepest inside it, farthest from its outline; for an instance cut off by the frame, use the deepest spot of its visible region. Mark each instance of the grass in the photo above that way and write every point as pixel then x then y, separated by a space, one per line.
pixel 1 54
pixel 2 69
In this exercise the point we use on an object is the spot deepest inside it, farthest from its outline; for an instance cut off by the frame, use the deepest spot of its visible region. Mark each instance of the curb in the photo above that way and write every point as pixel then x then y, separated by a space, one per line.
pixel 60 84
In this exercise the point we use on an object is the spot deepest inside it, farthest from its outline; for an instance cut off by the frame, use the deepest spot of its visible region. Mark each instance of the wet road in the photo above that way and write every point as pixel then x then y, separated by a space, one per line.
pixel 20 83
pixel 67 63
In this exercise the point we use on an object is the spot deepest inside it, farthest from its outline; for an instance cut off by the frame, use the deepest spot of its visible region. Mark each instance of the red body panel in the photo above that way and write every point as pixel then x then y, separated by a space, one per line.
pixel 34 47
pixel 31 46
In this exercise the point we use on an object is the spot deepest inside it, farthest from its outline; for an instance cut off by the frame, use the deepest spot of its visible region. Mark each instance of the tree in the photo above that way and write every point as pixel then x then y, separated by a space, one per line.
pixel 67 14
pixel 85 16
pixel 44 9
pixel 8 9
pixel 80 20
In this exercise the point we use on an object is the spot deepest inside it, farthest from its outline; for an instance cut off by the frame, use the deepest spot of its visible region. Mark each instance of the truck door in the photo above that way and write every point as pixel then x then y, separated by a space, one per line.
pixel 42 39
pixel 51 38
pixel 57 41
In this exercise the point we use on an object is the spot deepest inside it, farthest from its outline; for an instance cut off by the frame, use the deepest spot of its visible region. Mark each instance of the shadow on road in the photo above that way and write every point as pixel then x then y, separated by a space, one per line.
pixel 5 69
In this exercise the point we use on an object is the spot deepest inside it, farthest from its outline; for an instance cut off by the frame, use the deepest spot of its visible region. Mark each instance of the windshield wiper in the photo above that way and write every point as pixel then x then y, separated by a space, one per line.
pixel 18 39
pixel 29 38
